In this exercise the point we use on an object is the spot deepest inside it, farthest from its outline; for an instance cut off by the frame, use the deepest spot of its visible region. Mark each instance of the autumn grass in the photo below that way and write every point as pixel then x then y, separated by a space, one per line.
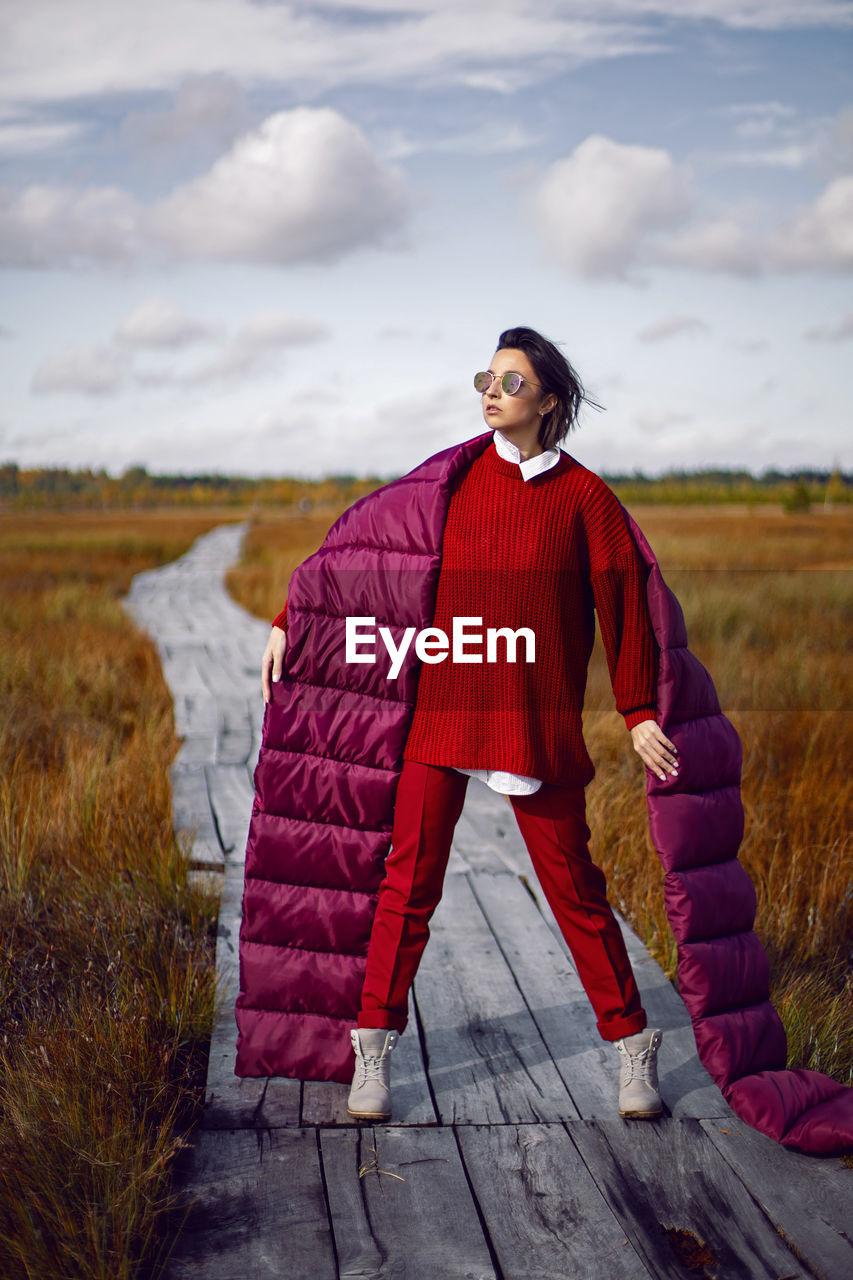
pixel 767 599
pixel 107 984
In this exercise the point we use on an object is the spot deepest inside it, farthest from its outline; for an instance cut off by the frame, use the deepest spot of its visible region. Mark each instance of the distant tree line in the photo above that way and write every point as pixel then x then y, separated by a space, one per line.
pixel 54 487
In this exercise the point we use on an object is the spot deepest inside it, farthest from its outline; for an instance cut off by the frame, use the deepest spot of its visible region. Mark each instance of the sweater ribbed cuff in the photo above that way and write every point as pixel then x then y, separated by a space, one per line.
pixel 280 620
pixel 637 716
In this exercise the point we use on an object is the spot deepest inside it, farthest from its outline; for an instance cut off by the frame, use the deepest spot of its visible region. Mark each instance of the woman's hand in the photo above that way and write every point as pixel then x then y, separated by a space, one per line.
pixel 272 660
pixel 655 748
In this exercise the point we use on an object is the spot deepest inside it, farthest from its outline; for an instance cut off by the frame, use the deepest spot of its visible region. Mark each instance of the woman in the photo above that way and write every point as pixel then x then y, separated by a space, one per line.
pixel 533 542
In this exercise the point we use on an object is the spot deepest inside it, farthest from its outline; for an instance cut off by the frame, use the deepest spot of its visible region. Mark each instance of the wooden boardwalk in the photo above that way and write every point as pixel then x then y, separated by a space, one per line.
pixel 506 1159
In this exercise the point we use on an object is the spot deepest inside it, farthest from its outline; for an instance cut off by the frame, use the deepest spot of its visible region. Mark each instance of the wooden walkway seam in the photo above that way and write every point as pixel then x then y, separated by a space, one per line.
pixel 506 1159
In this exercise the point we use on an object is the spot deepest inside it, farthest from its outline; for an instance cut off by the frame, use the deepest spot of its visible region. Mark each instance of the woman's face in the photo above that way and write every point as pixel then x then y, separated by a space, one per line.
pixel 514 415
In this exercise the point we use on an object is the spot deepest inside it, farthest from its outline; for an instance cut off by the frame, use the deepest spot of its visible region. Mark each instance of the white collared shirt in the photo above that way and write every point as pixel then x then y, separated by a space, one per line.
pixel 515 784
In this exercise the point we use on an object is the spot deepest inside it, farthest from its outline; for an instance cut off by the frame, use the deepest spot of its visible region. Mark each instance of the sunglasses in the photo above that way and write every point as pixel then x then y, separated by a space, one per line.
pixel 511 383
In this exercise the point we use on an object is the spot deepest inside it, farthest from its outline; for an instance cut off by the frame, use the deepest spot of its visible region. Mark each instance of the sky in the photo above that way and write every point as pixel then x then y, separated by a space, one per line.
pixel 280 238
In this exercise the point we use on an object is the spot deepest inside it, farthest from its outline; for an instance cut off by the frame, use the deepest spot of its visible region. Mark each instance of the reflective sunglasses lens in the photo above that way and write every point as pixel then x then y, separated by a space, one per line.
pixel 511 383
pixel 482 382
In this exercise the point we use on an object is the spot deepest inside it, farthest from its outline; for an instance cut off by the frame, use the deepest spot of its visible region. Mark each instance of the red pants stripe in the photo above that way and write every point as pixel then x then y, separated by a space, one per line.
pixel 552 822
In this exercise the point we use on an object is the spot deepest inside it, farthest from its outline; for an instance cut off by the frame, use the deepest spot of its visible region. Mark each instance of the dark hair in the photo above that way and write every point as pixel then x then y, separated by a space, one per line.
pixel 556 377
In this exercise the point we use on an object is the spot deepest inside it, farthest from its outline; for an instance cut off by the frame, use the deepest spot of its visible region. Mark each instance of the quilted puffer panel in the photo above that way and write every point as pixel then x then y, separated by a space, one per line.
pixel 706 902
pixel 311 1045
pixel 688 687
pixel 298 851
pixel 337 723
pixel 708 973
pixel 319 641
pixel 302 916
pixel 301 981
pixel 825 1129
pixel 773 1101
pixel 403 520
pixel 349 795
pixel 710 756
pixel 691 829
pixel 741 1041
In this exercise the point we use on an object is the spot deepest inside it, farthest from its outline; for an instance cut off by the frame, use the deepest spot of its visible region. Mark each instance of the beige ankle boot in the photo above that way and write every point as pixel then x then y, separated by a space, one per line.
pixel 639 1098
pixel 370 1095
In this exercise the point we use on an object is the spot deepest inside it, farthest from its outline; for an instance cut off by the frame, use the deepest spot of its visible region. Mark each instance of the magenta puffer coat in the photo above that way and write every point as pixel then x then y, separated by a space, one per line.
pixel 324 802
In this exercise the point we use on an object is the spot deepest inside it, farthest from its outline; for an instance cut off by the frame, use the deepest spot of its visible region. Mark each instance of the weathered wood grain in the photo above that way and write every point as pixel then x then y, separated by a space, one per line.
pixel 486 1060
pixel 546 1217
pixel 193 817
pixel 548 980
pixel 410 1215
pixel 553 992
pixel 670 1189
pixel 231 794
pixel 689 1089
pixel 257 1208
pixel 808 1199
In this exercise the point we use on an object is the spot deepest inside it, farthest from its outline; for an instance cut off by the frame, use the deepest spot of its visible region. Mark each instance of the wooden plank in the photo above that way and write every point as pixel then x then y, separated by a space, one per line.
pixel 485 1058
pixel 231 794
pixel 326 1103
pixel 191 804
pixel 676 1198
pixel 195 715
pixel 257 1208
pixel 180 668
pixel 487 834
pixel 689 1089
pixel 553 992
pixel 540 961
pixel 410 1215
pixel 808 1200
pixel 195 753
pixel 544 1213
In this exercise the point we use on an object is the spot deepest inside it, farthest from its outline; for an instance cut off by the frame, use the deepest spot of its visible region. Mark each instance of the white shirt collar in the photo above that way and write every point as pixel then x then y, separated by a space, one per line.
pixel 530 467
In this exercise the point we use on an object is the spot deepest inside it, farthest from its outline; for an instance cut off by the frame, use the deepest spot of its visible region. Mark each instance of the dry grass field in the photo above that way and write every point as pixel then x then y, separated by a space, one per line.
pixel 106 955
pixel 107 985
pixel 767 597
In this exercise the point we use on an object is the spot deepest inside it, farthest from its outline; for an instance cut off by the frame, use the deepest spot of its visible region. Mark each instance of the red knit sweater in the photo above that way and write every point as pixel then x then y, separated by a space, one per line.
pixel 540 553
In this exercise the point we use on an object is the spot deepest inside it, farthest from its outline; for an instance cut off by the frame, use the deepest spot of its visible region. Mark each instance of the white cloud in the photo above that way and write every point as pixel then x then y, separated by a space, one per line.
pixel 211 104
pixel 609 208
pixel 671 327
pixel 820 235
pixel 841 331
pixel 663 422
pixel 44 57
pixel 304 186
pixel 598 208
pixel 721 244
pixel 24 133
pixel 257 348
pixel 159 322
pixel 44 225
pixel 758 119
pixel 86 370
pixel 792 156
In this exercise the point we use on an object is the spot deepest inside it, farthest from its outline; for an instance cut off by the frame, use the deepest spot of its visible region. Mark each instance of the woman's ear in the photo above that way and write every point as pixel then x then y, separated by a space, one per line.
pixel 548 403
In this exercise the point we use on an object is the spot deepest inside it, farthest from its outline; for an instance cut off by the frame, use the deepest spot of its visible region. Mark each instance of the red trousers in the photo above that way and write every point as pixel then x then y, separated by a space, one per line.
pixel 552 822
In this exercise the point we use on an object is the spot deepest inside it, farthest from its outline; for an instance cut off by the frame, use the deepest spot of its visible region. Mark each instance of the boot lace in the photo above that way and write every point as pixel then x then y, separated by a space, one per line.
pixel 638 1066
pixel 370 1069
